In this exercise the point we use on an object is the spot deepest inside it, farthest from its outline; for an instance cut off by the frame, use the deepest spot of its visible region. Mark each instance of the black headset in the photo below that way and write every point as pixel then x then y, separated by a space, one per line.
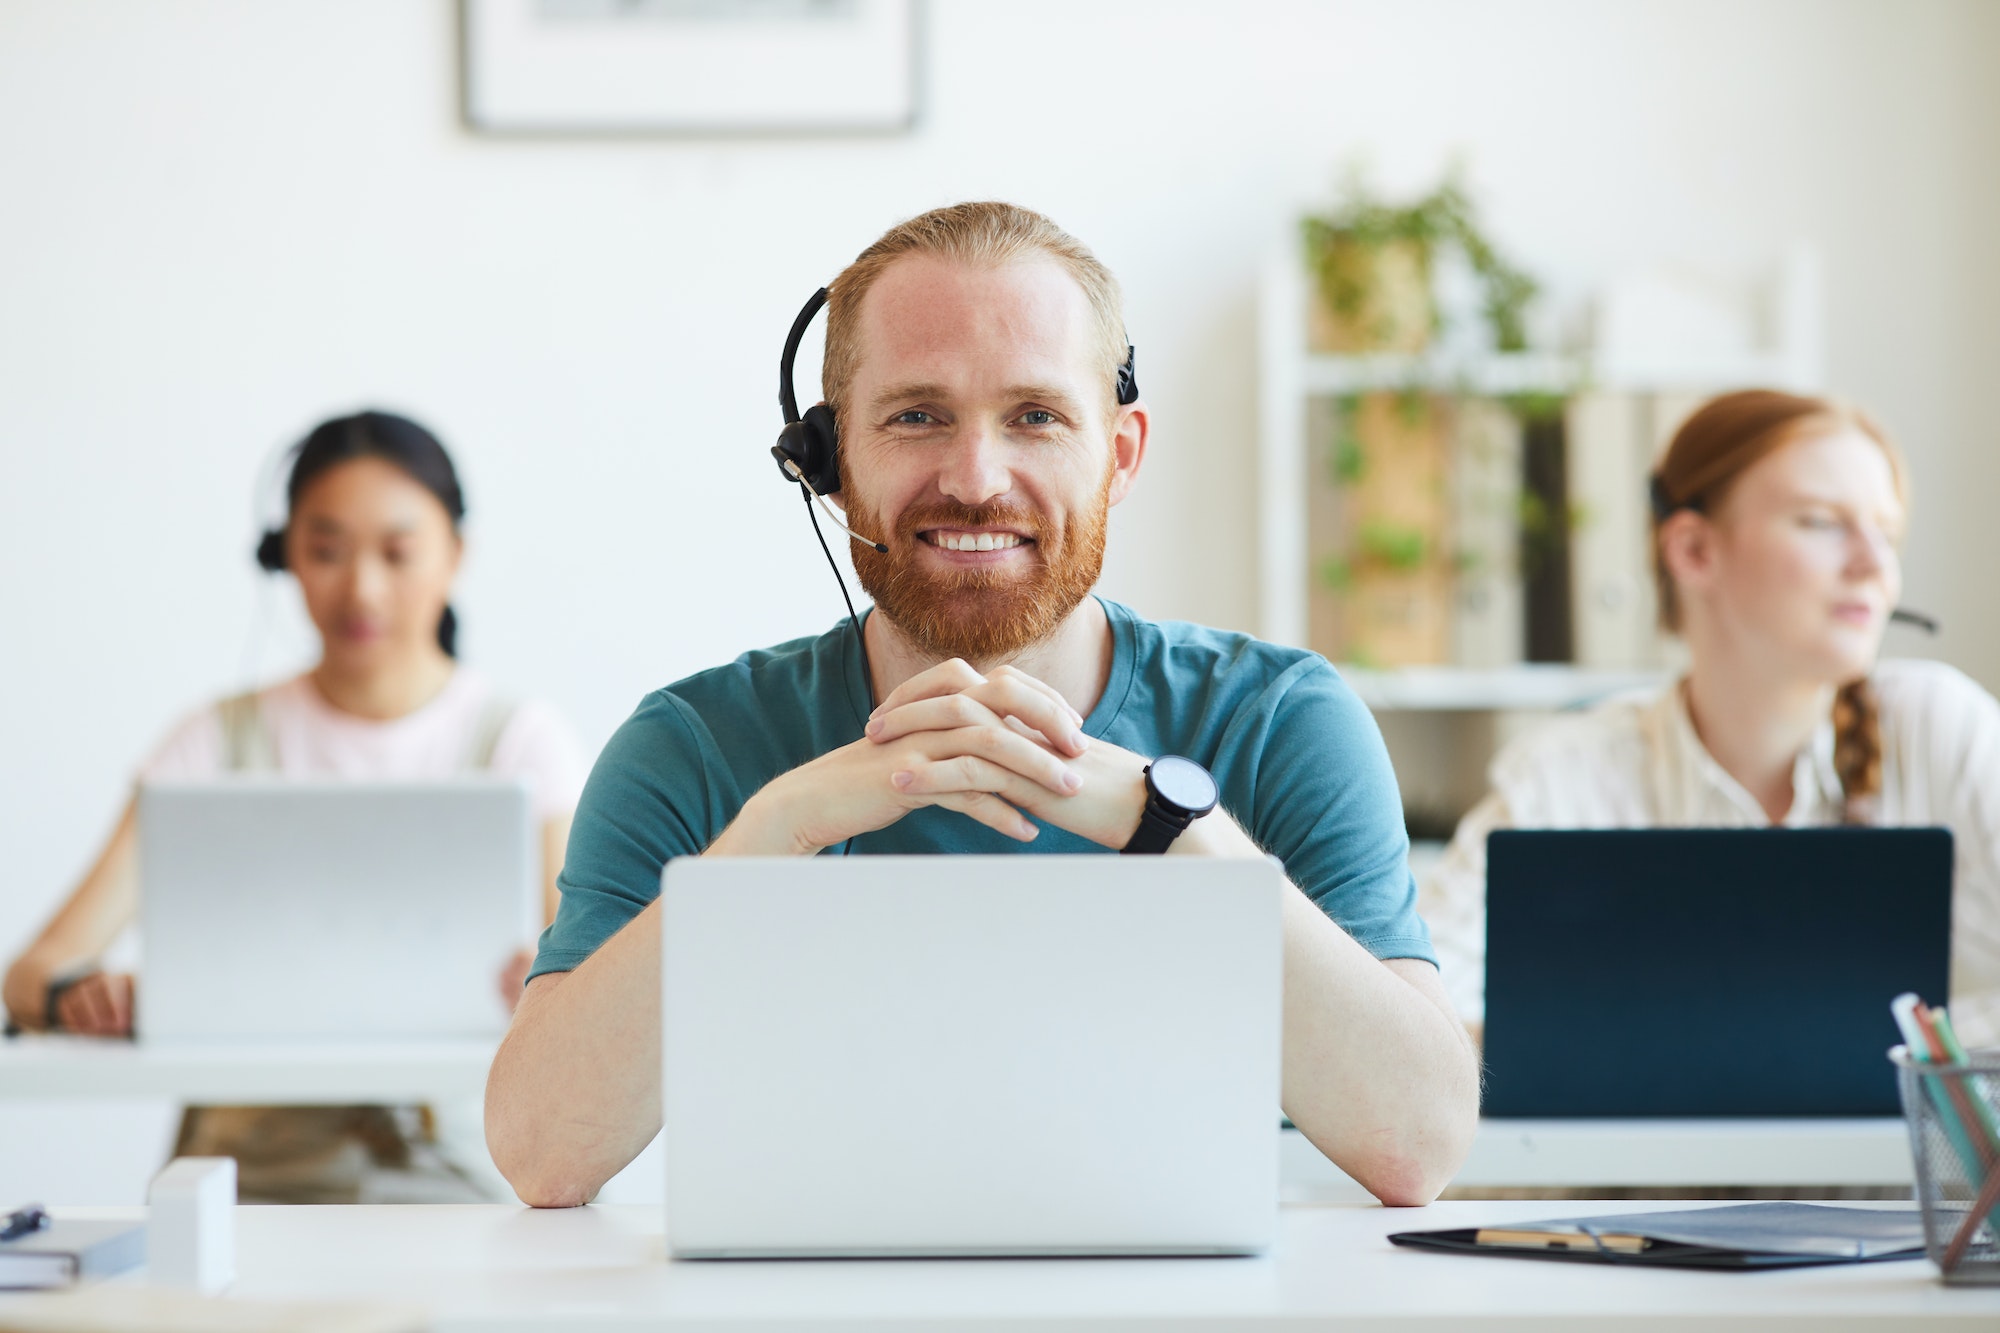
pixel 271 541
pixel 808 448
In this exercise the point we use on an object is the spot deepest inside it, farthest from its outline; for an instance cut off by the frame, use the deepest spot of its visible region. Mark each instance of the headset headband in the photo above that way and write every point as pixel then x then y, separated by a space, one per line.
pixel 788 399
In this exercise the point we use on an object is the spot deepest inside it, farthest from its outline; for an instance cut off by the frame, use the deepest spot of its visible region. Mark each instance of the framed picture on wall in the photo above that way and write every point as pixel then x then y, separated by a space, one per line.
pixel 689 67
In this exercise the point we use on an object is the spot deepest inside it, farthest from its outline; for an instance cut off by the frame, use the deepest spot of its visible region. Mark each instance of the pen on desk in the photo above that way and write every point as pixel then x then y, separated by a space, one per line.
pixel 1955 1052
pixel 1929 1036
pixel 1982 1208
pixel 1989 1141
pixel 1955 1089
pixel 1904 1007
pixel 21 1221
pixel 1962 1097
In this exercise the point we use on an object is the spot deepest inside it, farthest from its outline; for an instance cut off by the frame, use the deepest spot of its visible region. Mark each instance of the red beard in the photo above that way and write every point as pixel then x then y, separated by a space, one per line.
pixel 982 615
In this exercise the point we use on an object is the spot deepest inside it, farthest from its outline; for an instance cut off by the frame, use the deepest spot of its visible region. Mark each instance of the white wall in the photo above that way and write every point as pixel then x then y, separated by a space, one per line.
pixel 223 219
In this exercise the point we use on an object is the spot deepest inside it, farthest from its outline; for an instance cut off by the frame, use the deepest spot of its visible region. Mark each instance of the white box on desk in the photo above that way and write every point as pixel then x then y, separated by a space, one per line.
pixel 191 1225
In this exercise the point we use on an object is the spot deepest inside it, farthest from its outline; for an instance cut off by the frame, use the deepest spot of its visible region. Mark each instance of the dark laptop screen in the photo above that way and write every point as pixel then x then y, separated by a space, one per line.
pixel 1707 972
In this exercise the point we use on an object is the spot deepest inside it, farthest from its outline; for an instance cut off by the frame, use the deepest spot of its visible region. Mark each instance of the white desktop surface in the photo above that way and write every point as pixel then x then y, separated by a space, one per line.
pixel 1507 1153
pixel 244 1073
pixel 1567 1154
pixel 500 1268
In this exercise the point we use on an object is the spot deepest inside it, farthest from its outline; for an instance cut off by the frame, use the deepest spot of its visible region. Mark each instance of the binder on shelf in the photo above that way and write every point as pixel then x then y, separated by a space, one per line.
pixel 1545 540
pixel 1611 449
pixel 1486 630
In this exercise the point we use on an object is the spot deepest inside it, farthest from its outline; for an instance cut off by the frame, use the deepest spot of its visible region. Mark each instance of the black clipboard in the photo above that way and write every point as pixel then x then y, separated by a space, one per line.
pixel 1741 1237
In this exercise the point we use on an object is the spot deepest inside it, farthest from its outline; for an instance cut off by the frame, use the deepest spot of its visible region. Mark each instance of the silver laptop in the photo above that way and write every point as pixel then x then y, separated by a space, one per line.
pixel 971 1055
pixel 285 910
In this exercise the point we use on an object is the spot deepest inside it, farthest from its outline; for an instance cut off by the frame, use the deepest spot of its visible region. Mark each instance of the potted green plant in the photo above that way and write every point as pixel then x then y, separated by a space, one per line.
pixel 1372 261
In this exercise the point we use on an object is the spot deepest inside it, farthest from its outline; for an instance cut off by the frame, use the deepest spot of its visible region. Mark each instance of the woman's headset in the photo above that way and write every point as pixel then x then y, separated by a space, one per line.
pixel 272 504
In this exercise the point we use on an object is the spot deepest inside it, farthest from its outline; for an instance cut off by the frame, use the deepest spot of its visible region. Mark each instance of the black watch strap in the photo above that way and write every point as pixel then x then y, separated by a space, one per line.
pixel 1156 832
pixel 50 1019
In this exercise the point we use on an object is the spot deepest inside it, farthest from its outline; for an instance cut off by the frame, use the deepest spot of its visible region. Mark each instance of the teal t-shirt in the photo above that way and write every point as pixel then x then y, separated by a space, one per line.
pixel 1297 757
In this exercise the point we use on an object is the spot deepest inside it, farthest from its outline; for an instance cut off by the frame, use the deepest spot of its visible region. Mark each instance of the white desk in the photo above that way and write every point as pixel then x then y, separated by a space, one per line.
pixel 1602 1153
pixel 273 1074
pixel 1526 1153
pixel 487 1269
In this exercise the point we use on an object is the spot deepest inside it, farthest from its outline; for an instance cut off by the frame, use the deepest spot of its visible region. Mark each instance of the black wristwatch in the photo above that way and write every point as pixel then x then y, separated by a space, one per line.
pixel 1178 792
pixel 51 1021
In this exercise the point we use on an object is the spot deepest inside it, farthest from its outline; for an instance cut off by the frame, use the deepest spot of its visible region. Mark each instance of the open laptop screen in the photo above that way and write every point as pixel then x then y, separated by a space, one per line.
pixel 1707 972
pixel 285 910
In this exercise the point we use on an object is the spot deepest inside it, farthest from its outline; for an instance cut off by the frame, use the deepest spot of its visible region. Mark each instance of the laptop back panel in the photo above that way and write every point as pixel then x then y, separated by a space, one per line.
pixel 971 1055
pixel 1707 972
pixel 282 910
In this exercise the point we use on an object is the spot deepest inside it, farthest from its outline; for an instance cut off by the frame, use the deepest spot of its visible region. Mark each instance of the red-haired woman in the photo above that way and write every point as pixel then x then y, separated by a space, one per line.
pixel 1776 525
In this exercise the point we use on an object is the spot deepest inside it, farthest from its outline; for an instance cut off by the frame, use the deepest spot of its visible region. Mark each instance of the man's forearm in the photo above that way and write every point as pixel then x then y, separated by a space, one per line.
pixel 574 1094
pixel 1378 1072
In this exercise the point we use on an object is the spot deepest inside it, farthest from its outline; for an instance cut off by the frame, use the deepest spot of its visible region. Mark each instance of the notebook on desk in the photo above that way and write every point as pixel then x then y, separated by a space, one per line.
pixel 1707 972
pixel 70 1250
pixel 1747 1235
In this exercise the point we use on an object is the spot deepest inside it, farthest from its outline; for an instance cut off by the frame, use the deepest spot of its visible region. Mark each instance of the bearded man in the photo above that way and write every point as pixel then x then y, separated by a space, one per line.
pixel 990 703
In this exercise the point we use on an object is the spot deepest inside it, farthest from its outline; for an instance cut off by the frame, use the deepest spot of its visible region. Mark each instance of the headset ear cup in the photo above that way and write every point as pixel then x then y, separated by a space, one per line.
pixel 794 446
pixel 271 550
pixel 823 433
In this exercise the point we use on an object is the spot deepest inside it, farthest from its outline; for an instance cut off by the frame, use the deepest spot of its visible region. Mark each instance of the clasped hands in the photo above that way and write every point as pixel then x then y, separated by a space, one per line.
pixel 996 748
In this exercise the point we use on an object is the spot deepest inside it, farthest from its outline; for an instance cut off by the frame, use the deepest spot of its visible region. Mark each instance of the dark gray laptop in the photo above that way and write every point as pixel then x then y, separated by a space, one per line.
pixel 1707 972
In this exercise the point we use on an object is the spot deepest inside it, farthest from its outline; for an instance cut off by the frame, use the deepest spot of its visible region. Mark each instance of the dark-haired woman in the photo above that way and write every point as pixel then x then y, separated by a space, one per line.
pixel 372 536
pixel 1776 533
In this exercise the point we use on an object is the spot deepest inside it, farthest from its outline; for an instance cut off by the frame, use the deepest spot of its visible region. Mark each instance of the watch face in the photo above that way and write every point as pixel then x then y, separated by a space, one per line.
pixel 1184 783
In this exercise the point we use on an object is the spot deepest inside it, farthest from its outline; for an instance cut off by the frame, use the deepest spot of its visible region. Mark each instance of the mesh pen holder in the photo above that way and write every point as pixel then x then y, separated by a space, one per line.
pixel 1952 1112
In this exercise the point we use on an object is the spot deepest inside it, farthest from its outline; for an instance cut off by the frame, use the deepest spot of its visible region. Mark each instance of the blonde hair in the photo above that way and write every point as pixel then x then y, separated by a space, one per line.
pixel 1724 438
pixel 990 234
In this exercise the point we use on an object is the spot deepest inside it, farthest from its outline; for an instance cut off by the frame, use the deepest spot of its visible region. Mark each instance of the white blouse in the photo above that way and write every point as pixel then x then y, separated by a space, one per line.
pixel 1635 762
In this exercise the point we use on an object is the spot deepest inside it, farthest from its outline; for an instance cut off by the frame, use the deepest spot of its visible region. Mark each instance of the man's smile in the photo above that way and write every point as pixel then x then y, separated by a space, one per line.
pixel 973 539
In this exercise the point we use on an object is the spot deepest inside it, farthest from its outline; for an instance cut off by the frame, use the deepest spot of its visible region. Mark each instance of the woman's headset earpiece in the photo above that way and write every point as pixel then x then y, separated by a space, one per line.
pixel 272 517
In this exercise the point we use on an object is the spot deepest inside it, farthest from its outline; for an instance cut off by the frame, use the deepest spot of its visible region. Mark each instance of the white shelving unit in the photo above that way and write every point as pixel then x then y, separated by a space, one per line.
pixel 1501 373
pixel 1657 343
pixel 1290 377
pixel 1531 687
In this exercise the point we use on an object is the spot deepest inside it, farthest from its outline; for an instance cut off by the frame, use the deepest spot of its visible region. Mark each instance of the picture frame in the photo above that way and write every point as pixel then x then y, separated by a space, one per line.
pixel 689 68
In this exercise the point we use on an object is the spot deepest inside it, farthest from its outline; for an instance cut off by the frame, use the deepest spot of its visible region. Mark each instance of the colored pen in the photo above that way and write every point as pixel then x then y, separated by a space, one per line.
pixel 1904 1008
pixel 1989 1192
pixel 21 1221
pixel 1941 1020
pixel 1955 1088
